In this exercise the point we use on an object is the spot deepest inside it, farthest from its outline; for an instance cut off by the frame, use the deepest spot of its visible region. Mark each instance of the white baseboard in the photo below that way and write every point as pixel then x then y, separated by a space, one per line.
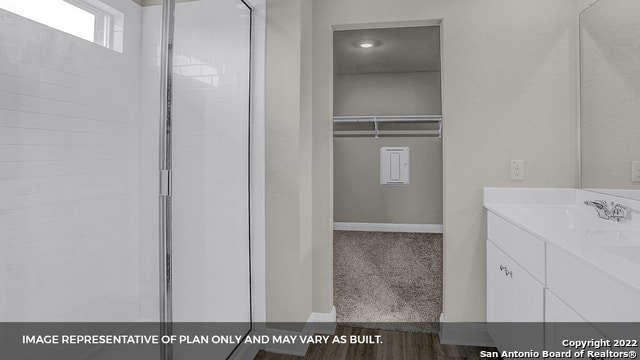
pixel 246 351
pixel 386 227
pixel 322 323
pixel 464 333
pixel 297 349
pixel 318 323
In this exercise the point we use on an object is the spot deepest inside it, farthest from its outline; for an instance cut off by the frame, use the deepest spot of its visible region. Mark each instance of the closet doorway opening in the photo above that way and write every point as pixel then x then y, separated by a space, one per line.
pixel 388 177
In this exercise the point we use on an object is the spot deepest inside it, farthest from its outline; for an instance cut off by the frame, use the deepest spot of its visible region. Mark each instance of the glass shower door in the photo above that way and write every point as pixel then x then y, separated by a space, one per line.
pixel 206 215
pixel 210 168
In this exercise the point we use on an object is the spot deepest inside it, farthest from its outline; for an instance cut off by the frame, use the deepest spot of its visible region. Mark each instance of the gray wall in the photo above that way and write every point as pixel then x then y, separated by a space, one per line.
pixel 288 161
pixel 358 195
pixel 610 109
pixel 387 94
pixel 509 91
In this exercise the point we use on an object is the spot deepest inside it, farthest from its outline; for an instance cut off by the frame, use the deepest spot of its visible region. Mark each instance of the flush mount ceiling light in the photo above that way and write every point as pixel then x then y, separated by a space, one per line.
pixel 367 44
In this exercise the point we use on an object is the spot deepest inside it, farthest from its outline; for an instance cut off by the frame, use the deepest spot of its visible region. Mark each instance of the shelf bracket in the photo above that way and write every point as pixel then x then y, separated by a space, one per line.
pixel 375 124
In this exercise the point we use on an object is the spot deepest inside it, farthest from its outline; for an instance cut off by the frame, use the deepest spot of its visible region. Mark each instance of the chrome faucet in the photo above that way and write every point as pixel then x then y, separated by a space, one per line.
pixel 615 211
pixel 601 207
pixel 619 212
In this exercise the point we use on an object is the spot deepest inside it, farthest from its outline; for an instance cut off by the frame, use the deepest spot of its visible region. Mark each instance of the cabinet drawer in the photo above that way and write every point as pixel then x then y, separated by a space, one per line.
pixel 595 295
pixel 524 248
pixel 514 297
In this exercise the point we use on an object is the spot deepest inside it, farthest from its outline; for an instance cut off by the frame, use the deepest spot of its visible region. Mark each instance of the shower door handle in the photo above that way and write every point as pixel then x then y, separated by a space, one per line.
pixel 165 182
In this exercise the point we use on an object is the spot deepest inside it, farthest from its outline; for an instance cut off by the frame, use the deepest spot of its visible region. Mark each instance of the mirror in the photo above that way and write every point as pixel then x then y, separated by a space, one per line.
pixel 610 98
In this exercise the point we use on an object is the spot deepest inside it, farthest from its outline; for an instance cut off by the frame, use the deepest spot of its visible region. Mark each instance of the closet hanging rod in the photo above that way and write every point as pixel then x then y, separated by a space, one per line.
pixel 404 133
pixel 352 119
pixel 387 118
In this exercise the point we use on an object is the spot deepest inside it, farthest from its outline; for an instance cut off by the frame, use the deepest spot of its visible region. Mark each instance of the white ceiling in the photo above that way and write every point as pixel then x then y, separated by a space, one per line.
pixel 409 49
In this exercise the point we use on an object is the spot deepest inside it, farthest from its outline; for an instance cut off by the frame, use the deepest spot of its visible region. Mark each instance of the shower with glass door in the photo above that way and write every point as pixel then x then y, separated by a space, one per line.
pixel 125 163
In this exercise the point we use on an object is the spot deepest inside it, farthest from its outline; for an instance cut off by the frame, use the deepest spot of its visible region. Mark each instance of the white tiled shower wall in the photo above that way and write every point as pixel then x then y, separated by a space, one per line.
pixel 68 173
pixel 79 160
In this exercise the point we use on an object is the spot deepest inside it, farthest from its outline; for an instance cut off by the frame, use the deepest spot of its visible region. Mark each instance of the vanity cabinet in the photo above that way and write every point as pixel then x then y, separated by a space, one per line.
pixel 557 311
pixel 596 295
pixel 514 295
pixel 497 285
pixel 515 273
pixel 556 271
pixel 543 290
pixel 560 324
pixel 524 248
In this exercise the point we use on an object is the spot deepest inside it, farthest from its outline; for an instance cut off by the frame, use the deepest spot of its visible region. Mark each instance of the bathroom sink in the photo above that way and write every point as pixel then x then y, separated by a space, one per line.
pixel 588 255
pixel 610 246
pixel 566 224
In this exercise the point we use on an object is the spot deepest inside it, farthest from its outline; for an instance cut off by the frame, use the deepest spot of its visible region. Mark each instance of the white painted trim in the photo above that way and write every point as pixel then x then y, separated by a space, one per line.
pixel 317 323
pixel 246 351
pixel 464 333
pixel 297 349
pixel 322 323
pixel 323 317
pixel 386 227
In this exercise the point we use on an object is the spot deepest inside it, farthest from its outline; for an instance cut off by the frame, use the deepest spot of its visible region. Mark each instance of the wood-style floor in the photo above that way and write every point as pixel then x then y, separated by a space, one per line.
pixel 396 345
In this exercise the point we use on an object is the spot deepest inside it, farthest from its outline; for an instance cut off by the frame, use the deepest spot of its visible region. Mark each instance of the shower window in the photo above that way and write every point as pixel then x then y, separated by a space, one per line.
pixel 90 20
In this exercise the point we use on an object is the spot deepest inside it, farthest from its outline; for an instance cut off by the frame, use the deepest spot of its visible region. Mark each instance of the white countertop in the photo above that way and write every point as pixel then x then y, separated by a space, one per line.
pixel 612 247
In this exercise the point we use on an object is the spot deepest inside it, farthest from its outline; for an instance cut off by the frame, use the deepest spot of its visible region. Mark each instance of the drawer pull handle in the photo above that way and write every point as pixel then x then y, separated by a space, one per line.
pixel 507 272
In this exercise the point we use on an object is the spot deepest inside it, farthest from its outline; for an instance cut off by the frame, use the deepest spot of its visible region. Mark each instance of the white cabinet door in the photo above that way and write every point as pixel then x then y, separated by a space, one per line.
pixel 497 282
pixel 594 294
pixel 513 295
pixel 557 311
pixel 526 295
pixel 562 323
pixel 515 303
pixel 526 309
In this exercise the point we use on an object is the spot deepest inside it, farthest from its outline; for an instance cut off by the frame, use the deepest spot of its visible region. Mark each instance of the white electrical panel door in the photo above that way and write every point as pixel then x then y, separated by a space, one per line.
pixel 394 166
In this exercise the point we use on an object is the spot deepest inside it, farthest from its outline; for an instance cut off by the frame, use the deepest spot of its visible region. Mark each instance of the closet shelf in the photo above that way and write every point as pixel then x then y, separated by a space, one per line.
pixel 378 119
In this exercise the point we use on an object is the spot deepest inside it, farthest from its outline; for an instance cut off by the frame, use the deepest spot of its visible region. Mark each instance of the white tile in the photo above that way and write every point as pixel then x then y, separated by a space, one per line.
pixel 78 169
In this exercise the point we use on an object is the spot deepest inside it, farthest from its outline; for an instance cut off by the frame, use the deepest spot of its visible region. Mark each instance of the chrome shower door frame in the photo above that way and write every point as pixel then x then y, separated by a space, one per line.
pixel 166 167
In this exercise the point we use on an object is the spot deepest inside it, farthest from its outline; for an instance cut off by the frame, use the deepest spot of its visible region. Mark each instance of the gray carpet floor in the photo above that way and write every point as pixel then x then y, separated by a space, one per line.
pixel 391 279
